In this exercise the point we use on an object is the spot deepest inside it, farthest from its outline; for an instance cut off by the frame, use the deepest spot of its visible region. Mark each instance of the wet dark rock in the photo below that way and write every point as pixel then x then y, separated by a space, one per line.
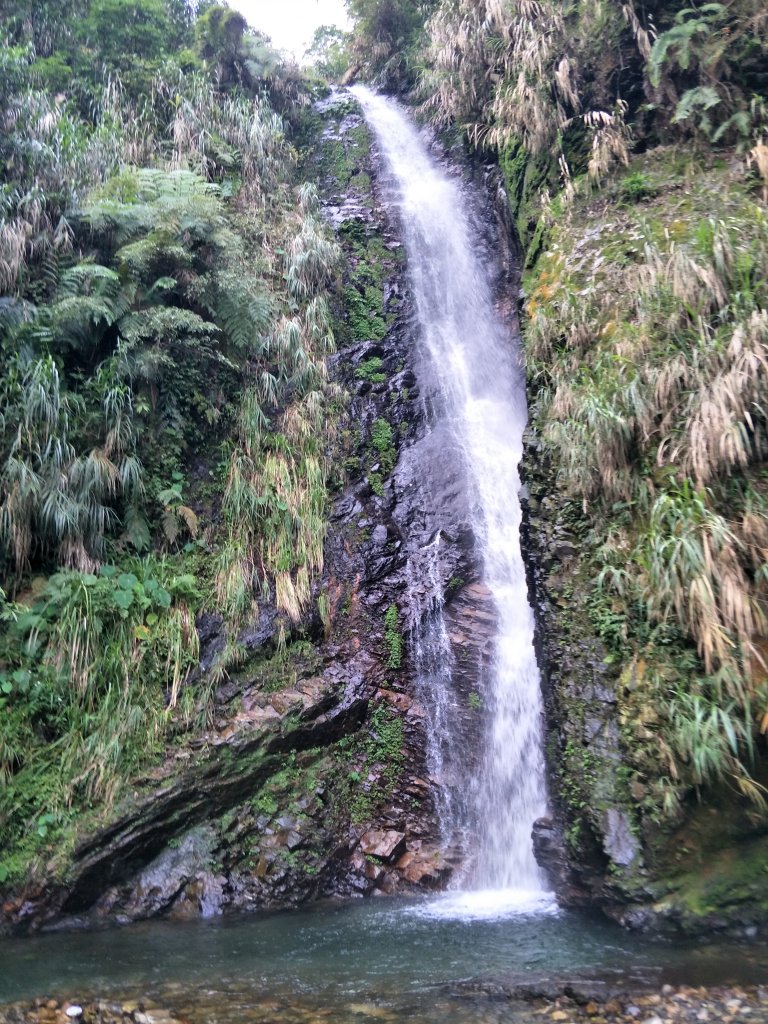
pixel 619 842
pixel 602 861
pixel 550 851
pixel 211 638
pixel 260 631
pixel 379 536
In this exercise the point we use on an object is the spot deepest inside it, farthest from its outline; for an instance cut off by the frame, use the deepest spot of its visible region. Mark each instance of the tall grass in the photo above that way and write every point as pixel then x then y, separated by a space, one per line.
pixel 275 496
pixel 92 668
pixel 527 74
pixel 653 374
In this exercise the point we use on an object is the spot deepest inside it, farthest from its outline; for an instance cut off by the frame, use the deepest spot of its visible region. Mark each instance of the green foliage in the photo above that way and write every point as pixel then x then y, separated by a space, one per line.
pixel 636 187
pixel 364 312
pixel 245 58
pixel 328 52
pixel 275 495
pixel 382 439
pixel 371 370
pixel 120 32
pixel 715 50
pixel 679 43
pixel 163 287
pixel 265 803
pixel 281 670
pixel 219 33
pixel 393 638
pixel 369 766
pixel 70 734
pixel 385 38
pixel 650 407
pixel 532 76
pixel 560 89
pixel 578 772
pixel 52 500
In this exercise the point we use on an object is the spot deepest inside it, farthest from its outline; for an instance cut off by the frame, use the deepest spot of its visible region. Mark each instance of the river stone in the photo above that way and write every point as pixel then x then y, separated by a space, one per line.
pixel 161 882
pixel 425 866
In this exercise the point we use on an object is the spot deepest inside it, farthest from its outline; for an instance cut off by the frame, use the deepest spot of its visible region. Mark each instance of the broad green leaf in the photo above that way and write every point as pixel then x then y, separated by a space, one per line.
pixel 123 598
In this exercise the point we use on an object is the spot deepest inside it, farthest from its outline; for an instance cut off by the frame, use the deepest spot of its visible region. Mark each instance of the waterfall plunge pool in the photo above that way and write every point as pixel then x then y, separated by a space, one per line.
pixel 402 959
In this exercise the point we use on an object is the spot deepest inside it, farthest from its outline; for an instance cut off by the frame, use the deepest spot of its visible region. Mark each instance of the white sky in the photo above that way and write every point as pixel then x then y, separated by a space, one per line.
pixel 292 23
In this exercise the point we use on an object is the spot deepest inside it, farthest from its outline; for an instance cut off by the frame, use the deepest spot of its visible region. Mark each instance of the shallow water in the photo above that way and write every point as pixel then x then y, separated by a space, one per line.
pixel 401 959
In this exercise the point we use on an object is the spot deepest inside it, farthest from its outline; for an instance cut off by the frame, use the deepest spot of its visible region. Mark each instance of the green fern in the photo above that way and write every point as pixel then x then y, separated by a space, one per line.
pixel 701 99
pixel 679 43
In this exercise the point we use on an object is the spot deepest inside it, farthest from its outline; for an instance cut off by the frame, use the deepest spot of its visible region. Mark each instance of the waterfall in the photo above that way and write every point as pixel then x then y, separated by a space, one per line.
pixel 430 651
pixel 480 396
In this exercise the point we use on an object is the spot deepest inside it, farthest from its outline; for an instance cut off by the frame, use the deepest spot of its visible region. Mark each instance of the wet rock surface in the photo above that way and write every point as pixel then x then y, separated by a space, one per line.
pixel 695 876
pixel 589 846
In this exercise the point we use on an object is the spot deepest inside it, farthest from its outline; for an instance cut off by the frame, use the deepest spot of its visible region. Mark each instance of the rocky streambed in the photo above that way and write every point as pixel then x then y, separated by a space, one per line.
pixel 669 1005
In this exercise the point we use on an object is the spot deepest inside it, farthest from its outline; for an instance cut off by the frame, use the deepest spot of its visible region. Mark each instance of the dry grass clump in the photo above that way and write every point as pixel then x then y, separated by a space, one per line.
pixel 758 158
pixel 514 74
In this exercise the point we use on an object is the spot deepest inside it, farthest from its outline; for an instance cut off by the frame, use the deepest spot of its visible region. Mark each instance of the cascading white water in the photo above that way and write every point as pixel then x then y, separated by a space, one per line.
pixel 482 398
pixel 430 648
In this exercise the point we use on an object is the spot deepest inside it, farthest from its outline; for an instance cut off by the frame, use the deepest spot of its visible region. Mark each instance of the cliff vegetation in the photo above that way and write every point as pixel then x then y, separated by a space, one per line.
pixel 164 328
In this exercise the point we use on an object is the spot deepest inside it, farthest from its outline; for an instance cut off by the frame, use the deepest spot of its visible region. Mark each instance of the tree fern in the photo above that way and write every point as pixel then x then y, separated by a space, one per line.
pixel 676 43
pixel 245 313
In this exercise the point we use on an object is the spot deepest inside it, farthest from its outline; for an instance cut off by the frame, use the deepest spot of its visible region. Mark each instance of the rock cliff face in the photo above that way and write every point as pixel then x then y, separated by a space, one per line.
pixel 693 876
pixel 687 867
pixel 310 777
pixel 589 845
